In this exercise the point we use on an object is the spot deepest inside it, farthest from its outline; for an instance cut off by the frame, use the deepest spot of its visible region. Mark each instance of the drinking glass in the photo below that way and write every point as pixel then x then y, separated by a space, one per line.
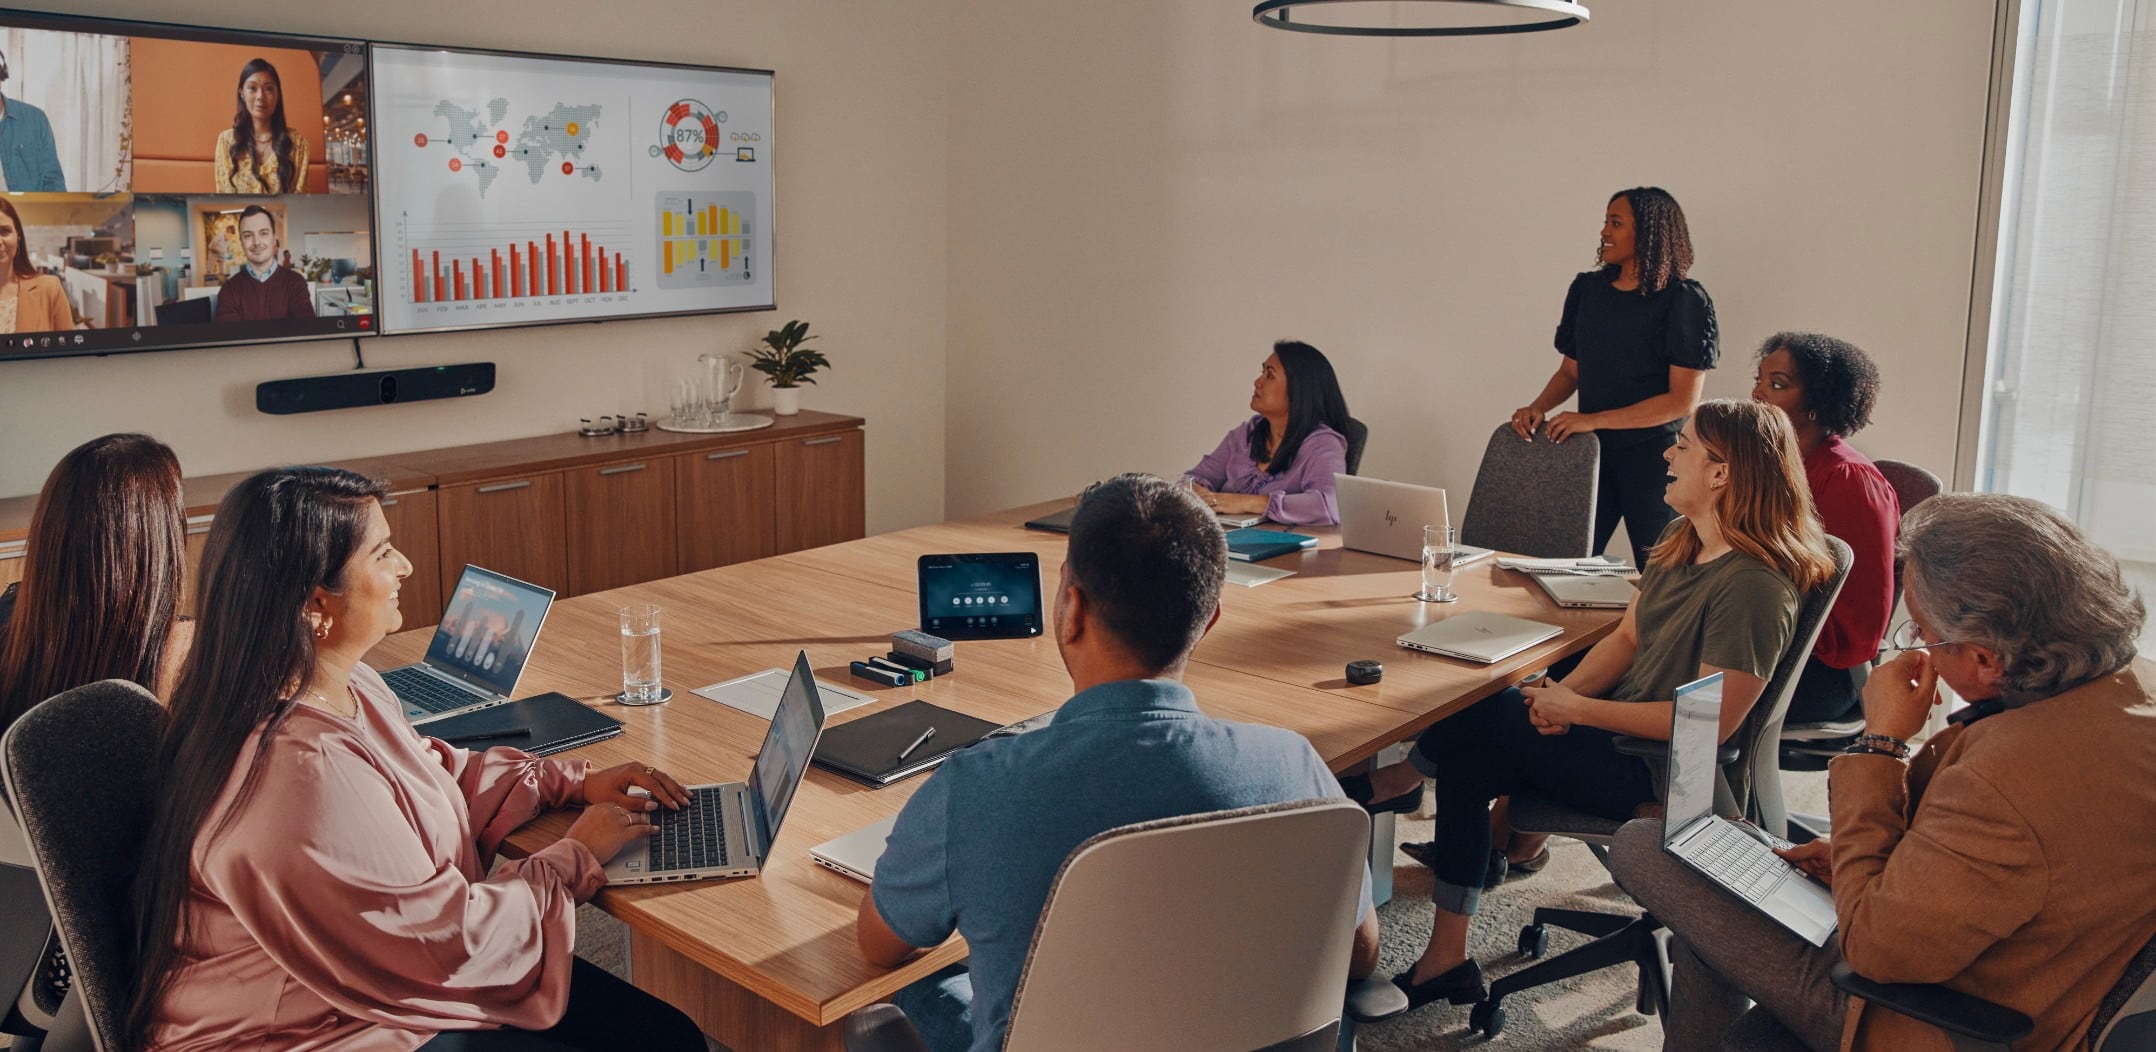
pixel 1439 548
pixel 640 655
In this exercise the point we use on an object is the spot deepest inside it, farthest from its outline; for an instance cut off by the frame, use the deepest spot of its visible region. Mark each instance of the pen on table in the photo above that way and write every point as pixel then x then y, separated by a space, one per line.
pixel 925 735
pixel 490 736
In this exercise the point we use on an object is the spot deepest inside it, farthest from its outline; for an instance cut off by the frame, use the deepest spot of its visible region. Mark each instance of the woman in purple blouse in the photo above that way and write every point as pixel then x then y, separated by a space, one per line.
pixel 1280 463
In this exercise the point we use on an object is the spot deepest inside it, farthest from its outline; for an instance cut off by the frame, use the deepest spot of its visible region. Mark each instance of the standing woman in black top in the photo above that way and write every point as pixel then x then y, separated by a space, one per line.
pixel 1638 338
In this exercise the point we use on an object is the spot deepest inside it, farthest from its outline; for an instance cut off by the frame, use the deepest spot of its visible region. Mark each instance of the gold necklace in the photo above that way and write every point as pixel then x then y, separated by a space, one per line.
pixel 330 707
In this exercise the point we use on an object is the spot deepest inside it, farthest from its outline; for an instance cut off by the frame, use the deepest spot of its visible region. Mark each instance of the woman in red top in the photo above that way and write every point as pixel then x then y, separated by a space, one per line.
pixel 1827 387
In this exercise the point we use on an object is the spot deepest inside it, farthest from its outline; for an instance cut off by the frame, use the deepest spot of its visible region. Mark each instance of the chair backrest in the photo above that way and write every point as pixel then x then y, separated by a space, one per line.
pixel 2126 1018
pixel 78 772
pixel 1912 485
pixel 1358 436
pixel 1757 779
pixel 1229 930
pixel 1535 498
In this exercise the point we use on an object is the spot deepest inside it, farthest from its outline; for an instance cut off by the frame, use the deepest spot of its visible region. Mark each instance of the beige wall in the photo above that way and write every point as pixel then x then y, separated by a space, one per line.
pixel 1145 195
pixel 862 102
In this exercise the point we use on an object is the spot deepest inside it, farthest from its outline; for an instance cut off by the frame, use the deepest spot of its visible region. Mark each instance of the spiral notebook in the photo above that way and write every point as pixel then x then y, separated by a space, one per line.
pixel 867 749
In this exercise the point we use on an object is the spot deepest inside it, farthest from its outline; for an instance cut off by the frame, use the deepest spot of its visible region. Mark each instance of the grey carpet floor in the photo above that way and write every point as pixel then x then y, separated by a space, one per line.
pixel 1591 1011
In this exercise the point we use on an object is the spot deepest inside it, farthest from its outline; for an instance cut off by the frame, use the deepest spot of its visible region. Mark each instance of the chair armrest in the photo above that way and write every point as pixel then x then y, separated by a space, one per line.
pixel 1372 1000
pixel 882 1028
pixel 1948 1009
pixel 1649 749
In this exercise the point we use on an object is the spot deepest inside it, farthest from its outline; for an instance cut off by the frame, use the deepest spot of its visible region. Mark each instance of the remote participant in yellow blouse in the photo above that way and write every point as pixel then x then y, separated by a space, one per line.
pixel 259 154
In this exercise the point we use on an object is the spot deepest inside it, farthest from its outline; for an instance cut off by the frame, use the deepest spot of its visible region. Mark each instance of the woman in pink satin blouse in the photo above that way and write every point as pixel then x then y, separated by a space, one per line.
pixel 320 875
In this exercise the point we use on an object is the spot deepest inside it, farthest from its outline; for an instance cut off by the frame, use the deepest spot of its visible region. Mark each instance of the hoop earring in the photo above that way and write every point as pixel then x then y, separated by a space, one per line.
pixel 1811 414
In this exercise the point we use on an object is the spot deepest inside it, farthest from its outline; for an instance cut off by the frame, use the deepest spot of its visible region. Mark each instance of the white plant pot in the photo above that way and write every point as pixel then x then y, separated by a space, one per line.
pixel 785 401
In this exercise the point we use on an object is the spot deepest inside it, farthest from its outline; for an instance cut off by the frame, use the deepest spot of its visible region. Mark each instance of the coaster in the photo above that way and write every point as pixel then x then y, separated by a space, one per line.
pixel 665 695
pixel 731 422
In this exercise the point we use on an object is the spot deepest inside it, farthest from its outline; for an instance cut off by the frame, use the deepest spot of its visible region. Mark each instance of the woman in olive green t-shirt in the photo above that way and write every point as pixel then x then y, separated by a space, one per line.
pixel 1720 594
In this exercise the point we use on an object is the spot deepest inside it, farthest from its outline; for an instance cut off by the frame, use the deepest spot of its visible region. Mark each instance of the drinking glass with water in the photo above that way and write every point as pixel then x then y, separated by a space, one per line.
pixel 1440 548
pixel 640 655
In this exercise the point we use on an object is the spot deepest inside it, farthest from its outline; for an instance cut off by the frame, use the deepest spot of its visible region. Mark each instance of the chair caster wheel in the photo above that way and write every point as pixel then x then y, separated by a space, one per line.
pixel 1488 1017
pixel 1534 941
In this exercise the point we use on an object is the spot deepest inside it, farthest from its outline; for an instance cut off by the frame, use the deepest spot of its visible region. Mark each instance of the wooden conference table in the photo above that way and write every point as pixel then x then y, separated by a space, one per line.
pixel 769 963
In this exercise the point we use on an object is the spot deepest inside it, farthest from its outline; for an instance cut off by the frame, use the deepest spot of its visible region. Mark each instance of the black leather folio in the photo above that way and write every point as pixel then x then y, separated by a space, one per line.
pixel 541 725
pixel 866 749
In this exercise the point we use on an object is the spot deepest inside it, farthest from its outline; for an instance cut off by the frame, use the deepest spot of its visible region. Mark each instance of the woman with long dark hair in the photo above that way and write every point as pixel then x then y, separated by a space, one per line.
pixel 1720 594
pixel 100 592
pixel 318 872
pixel 1637 337
pixel 259 154
pixel 1280 462
pixel 1827 387
pixel 29 301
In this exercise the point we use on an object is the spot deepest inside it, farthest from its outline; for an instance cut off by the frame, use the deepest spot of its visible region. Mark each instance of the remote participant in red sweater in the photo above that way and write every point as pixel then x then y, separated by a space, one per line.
pixel 262 290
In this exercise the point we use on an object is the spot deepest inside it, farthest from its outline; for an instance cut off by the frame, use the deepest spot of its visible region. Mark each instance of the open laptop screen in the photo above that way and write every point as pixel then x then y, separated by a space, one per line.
pixel 1695 730
pixel 488 631
pixel 784 758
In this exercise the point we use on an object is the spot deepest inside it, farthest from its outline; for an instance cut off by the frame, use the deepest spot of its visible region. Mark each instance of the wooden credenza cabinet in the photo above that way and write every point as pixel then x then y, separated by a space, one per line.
pixel 579 514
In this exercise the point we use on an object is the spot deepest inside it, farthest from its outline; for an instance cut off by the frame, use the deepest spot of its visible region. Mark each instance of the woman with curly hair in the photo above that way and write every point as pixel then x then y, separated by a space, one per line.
pixel 1827 387
pixel 1637 337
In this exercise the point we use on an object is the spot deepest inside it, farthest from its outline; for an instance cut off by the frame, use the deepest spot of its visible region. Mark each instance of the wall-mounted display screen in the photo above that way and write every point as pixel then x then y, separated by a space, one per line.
pixel 169 187
pixel 518 189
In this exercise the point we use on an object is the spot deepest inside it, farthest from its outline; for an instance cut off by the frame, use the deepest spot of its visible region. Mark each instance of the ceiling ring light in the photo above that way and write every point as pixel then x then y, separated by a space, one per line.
pixel 1488 18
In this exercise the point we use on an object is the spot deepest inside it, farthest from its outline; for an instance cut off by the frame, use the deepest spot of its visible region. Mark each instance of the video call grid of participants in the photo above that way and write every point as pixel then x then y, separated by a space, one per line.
pixel 163 182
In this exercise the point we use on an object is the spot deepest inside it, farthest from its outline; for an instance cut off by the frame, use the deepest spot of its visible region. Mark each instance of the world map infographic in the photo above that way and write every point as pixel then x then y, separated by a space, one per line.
pixel 516 189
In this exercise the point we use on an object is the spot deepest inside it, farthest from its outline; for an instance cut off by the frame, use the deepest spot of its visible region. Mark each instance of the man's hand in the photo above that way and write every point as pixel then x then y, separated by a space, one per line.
pixel 1814 857
pixel 611 786
pixel 1899 696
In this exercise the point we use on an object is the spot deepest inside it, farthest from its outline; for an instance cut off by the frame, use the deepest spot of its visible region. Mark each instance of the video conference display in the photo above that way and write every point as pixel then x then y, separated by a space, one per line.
pixel 515 189
pixel 168 188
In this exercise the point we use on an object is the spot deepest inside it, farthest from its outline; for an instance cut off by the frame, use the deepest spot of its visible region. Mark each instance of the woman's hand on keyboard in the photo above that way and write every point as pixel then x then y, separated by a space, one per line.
pixel 1814 857
pixel 607 828
pixel 611 785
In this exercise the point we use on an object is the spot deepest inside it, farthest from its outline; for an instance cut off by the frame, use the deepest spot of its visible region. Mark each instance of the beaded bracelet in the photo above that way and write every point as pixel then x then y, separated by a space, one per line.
pixel 1879 744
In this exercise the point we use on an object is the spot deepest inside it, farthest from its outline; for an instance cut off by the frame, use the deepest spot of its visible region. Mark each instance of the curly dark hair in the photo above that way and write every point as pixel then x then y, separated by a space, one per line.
pixel 1660 241
pixel 1840 381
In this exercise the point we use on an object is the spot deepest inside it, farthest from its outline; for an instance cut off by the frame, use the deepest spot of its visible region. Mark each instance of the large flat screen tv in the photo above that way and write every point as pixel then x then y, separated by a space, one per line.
pixel 525 189
pixel 168 186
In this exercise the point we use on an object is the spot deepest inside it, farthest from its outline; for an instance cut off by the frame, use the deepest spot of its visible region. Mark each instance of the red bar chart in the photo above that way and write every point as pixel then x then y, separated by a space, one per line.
pixel 575 265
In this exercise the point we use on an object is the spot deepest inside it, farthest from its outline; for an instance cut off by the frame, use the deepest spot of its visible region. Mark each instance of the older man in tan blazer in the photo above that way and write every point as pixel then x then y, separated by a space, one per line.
pixel 2013 858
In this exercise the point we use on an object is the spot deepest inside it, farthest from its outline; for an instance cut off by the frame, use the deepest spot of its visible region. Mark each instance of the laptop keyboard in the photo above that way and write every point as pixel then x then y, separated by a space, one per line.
pixel 1742 864
pixel 693 837
pixel 422 691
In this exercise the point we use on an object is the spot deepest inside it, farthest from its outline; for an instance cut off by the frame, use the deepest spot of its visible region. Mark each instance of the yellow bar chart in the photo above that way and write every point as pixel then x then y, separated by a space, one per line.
pixel 705 239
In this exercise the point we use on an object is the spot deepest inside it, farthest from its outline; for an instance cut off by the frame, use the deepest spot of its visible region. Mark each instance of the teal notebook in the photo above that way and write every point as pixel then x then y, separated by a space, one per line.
pixel 1251 544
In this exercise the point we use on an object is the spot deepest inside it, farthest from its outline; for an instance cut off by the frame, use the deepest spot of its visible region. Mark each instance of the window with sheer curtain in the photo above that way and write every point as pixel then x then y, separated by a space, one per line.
pixel 2070 398
pixel 80 80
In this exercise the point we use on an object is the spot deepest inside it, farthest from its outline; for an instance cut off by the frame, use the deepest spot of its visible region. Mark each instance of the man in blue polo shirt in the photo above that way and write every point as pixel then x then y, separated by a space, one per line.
pixel 29 158
pixel 978 846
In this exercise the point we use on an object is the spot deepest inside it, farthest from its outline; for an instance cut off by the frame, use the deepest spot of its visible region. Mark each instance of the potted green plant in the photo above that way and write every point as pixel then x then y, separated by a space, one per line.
pixel 787 364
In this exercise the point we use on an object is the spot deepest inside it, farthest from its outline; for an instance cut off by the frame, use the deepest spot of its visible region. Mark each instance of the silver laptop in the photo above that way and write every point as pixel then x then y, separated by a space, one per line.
pixel 478 651
pixel 1728 853
pixel 855 854
pixel 1587 591
pixel 1479 636
pixel 1386 518
pixel 727 829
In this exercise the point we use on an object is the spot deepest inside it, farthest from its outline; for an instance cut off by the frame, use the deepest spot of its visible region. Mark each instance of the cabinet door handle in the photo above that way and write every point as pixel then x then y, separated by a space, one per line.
pixel 621 469
pixel 197 525
pixel 823 441
pixel 501 487
pixel 726 454
pixel 388 502
pixel 15 551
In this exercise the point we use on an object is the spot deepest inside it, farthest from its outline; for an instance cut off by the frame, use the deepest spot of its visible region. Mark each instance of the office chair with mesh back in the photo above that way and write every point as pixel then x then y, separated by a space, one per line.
pixel 78 771
pixel 1749 784
pixel 1808 746
pixel 1535 498
pixel 1358 436
pixel 1237 956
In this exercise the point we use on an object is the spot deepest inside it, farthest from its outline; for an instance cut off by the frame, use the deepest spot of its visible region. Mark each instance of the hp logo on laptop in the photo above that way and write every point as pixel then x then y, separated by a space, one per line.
pixel 1391 520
